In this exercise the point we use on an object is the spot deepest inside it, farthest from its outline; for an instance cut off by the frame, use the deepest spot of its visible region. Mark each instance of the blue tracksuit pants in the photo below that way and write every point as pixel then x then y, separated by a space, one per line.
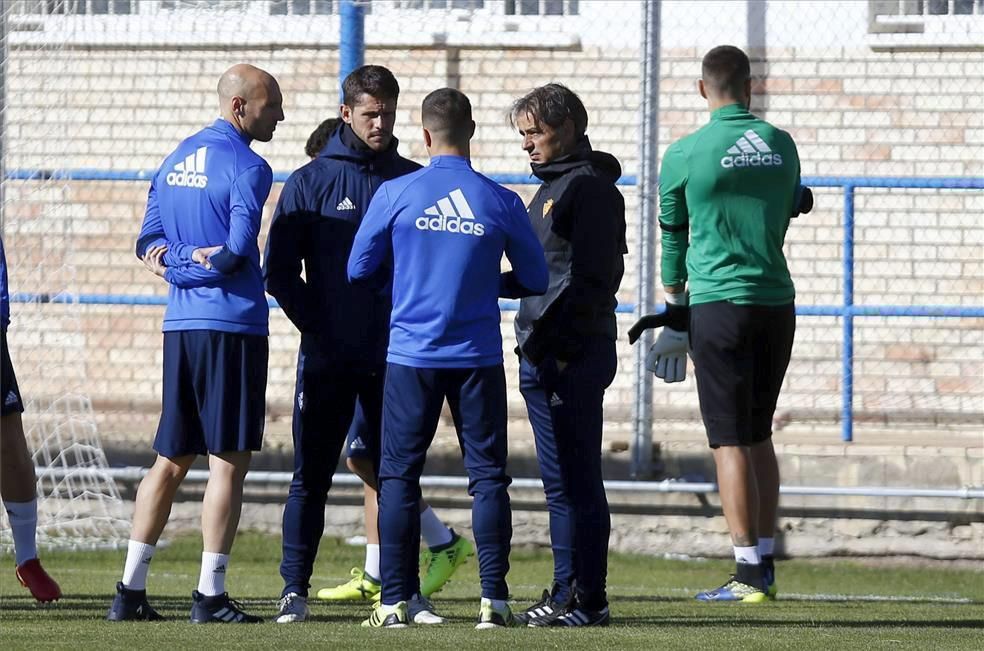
pixel 327 398
pixel 412 403
pixel 565 410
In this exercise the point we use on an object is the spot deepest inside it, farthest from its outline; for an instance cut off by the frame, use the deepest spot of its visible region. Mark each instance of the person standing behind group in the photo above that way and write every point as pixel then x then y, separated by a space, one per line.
pixel 320 136
pixel 445 228
pixel 344 331
pixel 727 193
pixel 200 234
pixel 567 345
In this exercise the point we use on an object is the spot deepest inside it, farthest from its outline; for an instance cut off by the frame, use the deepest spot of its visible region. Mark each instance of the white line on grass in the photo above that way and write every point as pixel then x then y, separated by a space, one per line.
pixel 819 596
pixel 640 591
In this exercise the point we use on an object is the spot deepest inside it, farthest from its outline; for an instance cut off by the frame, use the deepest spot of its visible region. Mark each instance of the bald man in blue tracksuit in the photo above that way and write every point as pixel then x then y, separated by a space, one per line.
pixel 445 228
pixel 199 233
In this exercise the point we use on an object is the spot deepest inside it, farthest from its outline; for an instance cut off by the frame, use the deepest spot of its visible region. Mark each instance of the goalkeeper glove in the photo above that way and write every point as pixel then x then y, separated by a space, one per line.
pixel 667 358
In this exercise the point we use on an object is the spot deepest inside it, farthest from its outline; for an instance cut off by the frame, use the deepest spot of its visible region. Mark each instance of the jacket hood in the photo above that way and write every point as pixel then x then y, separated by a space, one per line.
pixel 582 156
pixel 336 147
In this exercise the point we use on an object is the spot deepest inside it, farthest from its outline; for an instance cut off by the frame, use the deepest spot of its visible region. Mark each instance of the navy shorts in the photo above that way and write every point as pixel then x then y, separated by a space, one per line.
pixel 10 397
pixel 214 397
pixel 362 441
pixel 740 355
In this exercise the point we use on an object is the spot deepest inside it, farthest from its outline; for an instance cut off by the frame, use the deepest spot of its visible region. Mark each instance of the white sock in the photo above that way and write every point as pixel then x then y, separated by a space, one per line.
pixel 432 530
pixel 498 604
pixel 766 546
pixel 23 518
pixel 748 555
pixel 211 582
pixel 138 557
pixel 372 561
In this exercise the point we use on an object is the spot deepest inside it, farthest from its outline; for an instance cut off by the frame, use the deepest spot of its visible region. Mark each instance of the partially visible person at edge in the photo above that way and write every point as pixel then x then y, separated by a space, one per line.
pixel 18 484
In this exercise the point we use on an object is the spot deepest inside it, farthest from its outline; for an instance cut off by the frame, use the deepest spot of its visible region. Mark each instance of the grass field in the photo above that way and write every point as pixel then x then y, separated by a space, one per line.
pixel 833 604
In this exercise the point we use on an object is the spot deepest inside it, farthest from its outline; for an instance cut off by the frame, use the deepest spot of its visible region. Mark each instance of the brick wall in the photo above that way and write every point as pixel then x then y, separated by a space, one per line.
pixel 851 111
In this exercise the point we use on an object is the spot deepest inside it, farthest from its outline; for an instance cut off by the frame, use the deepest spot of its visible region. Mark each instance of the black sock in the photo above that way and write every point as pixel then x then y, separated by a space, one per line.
pixel 749 574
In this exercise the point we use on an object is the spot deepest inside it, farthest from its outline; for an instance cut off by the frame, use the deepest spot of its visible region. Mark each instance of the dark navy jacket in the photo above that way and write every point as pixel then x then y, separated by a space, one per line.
pixel 319 211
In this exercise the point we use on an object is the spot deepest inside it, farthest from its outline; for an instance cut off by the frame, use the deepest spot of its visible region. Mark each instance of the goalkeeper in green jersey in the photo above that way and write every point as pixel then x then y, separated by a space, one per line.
pixel 727 193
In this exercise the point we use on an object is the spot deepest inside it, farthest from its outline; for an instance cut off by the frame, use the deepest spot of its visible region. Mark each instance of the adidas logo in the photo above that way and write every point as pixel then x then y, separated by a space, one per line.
pixel 228 615
pixel 11 398
pixel 221 569
pixel 750 151
pixel 357 444
pixel 452 214
pixel 345 204
pixel 191 172
pixel 556 401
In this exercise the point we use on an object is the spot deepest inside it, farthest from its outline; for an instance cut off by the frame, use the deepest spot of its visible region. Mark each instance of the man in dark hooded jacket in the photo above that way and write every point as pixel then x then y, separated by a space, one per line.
pixel 344 335
pixel 567 344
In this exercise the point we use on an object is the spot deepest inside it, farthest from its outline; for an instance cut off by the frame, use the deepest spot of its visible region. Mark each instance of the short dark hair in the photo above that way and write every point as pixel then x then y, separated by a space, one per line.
pixel 552 104
pixel 319 137
pixel 375 81
pixel 726 69
pixel 447 113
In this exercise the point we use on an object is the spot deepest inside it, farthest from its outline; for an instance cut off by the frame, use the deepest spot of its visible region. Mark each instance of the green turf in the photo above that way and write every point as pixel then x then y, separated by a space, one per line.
pixel 832 604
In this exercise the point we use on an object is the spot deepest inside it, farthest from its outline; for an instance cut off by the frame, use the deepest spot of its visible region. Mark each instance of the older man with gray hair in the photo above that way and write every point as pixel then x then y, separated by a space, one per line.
pixel 567 344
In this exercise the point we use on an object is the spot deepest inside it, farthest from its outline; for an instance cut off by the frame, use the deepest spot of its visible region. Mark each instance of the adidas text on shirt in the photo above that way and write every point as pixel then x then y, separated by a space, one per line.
pixel 443 217
pixel 190 173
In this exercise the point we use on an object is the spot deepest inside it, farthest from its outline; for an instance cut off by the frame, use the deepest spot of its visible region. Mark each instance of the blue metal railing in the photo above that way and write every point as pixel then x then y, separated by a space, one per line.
pixel 847 310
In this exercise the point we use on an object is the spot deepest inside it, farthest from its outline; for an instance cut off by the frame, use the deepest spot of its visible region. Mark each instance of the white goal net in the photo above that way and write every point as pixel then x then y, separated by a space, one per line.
pixel 79 505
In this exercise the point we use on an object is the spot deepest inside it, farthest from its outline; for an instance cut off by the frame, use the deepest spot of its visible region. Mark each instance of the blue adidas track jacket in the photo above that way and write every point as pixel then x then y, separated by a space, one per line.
pixel 319 211
pixel 210 192
pixel 446 228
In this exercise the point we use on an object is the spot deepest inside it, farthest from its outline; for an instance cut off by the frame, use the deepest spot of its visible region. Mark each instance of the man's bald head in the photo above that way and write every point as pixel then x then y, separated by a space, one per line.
pixel 250 99
pixel 242 79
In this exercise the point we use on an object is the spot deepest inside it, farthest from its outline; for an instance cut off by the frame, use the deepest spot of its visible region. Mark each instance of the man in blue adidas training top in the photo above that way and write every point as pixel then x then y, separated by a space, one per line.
pixel 445 228
pixel 344 330
pixel 199 234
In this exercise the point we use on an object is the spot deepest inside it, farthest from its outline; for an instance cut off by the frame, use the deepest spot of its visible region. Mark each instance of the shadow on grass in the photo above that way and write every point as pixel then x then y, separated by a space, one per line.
pixel 650 599
pixel 732 622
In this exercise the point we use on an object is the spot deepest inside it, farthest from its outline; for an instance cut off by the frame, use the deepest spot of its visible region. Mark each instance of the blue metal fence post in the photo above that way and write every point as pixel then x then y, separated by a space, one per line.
pixel 847 361
pixel 351 41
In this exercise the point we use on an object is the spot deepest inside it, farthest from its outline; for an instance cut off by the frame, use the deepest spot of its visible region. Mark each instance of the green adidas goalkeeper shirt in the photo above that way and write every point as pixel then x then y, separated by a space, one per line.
pixel 731 187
